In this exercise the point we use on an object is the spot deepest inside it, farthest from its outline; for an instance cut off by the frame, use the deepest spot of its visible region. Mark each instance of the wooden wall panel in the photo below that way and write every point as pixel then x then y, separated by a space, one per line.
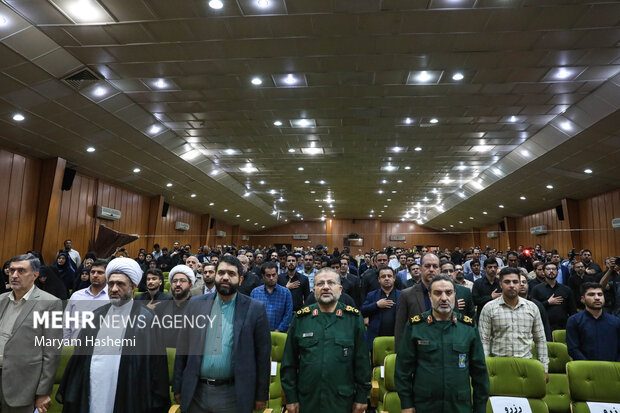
pixel 415 235
pixel 19 186
pixel 283 234
pixel 169 234
pixel 596 214
pixel 221 226
pixel 558 236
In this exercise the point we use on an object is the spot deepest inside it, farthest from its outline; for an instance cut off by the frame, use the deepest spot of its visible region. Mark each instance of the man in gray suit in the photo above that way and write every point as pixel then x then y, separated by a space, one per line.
pixel 27 369
pixel 415 300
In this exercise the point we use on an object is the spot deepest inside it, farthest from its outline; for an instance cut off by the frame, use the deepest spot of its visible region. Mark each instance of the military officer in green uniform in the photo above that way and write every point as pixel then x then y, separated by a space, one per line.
pixel 326 366
pixel 437 354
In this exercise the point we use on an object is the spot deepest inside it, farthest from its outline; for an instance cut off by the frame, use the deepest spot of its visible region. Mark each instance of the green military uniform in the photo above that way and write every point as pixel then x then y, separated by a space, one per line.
pixel 326 367
pixel 434 363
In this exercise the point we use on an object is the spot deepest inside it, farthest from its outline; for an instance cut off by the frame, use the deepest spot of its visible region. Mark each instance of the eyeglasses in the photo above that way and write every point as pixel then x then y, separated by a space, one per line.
pixel 179 281
pixel 321 284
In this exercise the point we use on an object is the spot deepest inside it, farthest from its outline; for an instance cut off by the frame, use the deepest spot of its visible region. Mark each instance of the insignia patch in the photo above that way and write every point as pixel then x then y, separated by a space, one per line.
pixel 339 313
pixel 351 309
pixel 416 319
pixel 310 334
pixel 467 320
pixel 303 311
pixel 423 342
pixel 429 319
pixel 462 360
pixel 315 312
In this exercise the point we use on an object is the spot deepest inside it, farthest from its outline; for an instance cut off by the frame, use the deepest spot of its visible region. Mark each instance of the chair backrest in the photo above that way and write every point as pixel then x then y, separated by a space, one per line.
pixel 559 336
pixel 278 340
pixel 516 377
pixel 382 347
pixel 558 357
pixel 594 381
pixel 171 353
pixel 390 365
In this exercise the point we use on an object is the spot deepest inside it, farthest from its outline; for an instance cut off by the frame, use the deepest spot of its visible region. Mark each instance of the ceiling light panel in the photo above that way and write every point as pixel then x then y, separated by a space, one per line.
pixel 290 80
pixel 424 77
pixel 303 123
pixel 83 11
pixel 262 7
pixel 563 74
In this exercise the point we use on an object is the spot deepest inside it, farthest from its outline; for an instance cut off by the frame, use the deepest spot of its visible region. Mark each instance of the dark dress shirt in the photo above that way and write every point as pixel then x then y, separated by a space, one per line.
pixel 481 292
pixel 299 293
pixel 589 338
pixel 370 282
pixel 559 313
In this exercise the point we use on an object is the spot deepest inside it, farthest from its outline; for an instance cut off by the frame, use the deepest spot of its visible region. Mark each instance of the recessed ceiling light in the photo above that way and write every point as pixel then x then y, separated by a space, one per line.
pixel 385 206
pixel 257 81
pixel 277 123
pixel 160 83
pixel 290 79
pixel 237 216
pixel 451 226
pixel 460 222
pixel 272 191
pixel 262 3
pixel 588 171
pixel 389 168
pixel 247 194
pixel 99 91
pixel 389 199
pixel 434 120
pixel 193 195
pixel 457 76
pixel 169 184
pixel 482 148
pixel 303 123
pixel 322 182
pixel 563 73
pixel 216 4
pixel 211 203
pixel 423 76
pixel 501 206
pixel 513 119
pixel 384 181
pixel 407 168
pixel 408 121
pixel 301 168
pixel 380 191
pixel 525 153
pixel 397 149
pixel 154 129
pixel 90 149
pixel 291 150
pixel 522 198
pixel 3 20
pixel 312 151
pixel 471 217
pixel 261 182
pixel 248 168
pixel 417 149
pixel 313 192
pixel 400 181
pixel 393 192
pixel 136 170
pixel 484 212
pixel 566 126
pixel 230 151
pixel 188 156
pixel 549 186
pixel 84 11
pixel 18 117
pixel 306 182
pixel 225 210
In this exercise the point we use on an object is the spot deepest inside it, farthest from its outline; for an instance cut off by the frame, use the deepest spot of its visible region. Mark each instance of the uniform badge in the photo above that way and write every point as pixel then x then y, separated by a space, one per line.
pixel 339 313
pixel 310 334
pixel 423 342
pixel 315 312
pixel 462 360
pixel 429 319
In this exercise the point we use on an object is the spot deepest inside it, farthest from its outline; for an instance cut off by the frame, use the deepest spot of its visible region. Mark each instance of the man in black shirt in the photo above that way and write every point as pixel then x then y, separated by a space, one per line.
pixel 297 283
pixel 370 279
pixel 557 298
pixel 486 288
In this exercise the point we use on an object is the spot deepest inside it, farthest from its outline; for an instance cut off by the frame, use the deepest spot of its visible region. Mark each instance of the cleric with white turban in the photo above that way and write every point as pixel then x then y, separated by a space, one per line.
pixel 125 266
pixel 184 269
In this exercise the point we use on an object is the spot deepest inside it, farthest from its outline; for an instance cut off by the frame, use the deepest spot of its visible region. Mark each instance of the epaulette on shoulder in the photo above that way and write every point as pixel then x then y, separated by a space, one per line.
pixel 304 311
pixel 350 309
pixel 415 319
pixel 466 320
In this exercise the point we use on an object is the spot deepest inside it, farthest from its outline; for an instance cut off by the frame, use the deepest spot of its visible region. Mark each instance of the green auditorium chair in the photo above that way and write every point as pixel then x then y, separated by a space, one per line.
pixel 557 398
pixel 381 347
pixel 391 401
pixel 278 340
pixel 171 354
pixel 559 336
pixel 67 352
pixel 517 377
pixel 592 381
pixel 166 285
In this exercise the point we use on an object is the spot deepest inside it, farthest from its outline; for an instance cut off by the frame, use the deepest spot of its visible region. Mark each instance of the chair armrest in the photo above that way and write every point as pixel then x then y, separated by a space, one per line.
pixel 374 393
pixel 175 408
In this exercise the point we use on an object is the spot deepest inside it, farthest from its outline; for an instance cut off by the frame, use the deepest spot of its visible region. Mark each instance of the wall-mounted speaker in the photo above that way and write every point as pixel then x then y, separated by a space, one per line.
pixel 164 210
pixel 560 212
pixel 212 223
pixel 502 226
pixel 67 179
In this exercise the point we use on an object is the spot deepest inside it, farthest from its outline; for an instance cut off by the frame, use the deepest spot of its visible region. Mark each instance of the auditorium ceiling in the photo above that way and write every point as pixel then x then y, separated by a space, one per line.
pixel 450 113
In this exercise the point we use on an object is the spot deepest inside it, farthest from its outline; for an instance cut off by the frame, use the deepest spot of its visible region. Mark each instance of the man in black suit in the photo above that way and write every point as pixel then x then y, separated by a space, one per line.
pixel 224 367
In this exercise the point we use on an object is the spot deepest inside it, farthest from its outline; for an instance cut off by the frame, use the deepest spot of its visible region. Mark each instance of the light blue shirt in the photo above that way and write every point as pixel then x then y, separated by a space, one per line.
pixel 310 275
pixel 217 358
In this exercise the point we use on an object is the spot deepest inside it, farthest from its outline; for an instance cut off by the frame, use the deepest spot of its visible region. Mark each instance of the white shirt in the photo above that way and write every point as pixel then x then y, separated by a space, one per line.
pixel 82 301
pixel 75 256
pixel 105 363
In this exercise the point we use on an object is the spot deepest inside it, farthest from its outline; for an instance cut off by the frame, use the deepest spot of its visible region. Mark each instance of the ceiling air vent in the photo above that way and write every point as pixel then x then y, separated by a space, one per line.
pixel 81 79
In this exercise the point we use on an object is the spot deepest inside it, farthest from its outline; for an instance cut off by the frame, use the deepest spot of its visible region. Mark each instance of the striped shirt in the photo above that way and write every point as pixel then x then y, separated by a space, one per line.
pixel 509 332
